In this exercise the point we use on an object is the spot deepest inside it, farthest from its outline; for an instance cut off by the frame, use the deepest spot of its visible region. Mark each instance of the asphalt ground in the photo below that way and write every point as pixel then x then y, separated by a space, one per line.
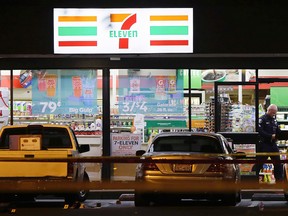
pixel 127 208
pixel 128 195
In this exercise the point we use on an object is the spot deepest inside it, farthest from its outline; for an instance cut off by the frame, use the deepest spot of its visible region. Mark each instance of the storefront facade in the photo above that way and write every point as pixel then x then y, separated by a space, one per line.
pixel 116 102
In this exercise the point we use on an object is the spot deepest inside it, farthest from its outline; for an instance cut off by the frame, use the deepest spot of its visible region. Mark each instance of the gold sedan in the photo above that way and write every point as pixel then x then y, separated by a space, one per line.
pixel 187 165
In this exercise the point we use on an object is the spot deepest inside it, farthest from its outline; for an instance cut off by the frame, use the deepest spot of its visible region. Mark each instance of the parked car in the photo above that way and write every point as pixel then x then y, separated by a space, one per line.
pixel 49 142
pixel 187 146
pixel 285 181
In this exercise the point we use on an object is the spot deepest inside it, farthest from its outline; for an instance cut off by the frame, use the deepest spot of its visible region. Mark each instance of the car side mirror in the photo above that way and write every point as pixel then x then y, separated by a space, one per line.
pixel 84 148
pixel 140 152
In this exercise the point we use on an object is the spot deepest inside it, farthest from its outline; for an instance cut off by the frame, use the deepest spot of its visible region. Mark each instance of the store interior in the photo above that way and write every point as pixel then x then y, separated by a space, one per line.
pixel 145 102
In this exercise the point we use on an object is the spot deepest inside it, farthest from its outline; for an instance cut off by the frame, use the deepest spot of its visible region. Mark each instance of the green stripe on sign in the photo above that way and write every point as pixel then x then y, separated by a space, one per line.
pixel 168 30
pixel 77 31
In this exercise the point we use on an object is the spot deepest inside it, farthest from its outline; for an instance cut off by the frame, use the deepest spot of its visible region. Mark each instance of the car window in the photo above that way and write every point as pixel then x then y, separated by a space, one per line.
pixel 195 143
pixel 51 137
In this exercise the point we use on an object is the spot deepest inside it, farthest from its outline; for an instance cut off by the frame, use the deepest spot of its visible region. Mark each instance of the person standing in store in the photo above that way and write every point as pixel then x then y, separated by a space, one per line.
pixel 269 131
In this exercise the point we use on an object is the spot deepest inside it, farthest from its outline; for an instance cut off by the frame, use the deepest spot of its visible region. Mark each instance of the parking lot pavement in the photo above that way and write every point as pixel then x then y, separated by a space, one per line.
pixel 122 203
pixel 253 194
pixel 112 207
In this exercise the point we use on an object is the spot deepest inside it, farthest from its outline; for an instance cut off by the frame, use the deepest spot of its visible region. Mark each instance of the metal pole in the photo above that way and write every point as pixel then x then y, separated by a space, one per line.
pixel 189 100
pixel 11 97
pixel 106 167
pixel 217 110
pixel 257 102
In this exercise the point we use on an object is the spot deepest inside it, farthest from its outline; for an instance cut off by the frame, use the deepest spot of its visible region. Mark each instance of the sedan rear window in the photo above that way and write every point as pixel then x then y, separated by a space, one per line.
pixel 196 143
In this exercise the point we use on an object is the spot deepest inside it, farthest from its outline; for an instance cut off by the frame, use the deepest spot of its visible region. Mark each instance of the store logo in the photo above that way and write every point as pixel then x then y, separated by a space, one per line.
pixel 80 31
pixel 123 30
pixel 169 30
pixel 128 20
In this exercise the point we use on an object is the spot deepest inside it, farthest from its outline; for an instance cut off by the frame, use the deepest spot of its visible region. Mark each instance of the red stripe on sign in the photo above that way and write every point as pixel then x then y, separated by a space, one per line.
pixel 77 43
pixel 169 43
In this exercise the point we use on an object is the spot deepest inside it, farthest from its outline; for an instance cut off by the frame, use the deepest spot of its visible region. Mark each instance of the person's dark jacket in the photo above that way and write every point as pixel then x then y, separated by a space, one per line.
pixel 267 127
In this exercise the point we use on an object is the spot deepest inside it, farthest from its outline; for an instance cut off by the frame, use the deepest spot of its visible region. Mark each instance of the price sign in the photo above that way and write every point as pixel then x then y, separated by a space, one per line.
pixel 134 107
pixel 49 107
pixel 151 94
pixel 64 92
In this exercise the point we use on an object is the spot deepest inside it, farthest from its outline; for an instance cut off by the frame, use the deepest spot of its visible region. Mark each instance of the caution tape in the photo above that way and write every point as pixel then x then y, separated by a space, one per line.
pixel 165 186
pixel 250 158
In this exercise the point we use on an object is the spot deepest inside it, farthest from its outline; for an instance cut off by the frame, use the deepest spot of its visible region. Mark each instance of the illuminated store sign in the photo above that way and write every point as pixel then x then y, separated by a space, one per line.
pixel 114 31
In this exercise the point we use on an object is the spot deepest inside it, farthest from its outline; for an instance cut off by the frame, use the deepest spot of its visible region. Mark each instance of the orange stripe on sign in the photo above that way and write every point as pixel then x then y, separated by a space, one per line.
pixel 118 17
pixel 77 18
pixel 169 18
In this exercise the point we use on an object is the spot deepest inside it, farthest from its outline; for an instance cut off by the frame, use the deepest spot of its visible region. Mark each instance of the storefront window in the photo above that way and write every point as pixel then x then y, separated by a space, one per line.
pixel 203 88
pixel 148 102
pixel 5 97
pixel 57 97
pixel 273 90
pixel 67 97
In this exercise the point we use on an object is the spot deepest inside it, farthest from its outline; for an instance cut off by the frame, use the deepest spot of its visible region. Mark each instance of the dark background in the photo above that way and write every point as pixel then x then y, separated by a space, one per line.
pixel 220 26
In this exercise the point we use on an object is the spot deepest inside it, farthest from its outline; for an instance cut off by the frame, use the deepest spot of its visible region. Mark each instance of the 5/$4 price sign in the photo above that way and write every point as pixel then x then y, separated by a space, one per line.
pixel 142 94
pixel 132 107
pixel 151 106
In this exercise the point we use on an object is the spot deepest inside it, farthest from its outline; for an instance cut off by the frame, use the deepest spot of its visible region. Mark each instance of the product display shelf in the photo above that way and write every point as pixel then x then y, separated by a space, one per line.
pixel 121 123
pixel 282 145
pixel 282 141
pixel 70 120
pixel 25 119
pixel 266 174
pixel 198 113
pixel 82 122
pixel 282 119
pixel 225 118
pixel 210 115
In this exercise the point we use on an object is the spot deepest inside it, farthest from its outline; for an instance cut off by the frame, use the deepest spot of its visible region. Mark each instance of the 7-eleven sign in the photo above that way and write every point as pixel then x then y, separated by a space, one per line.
pixel 123 30
pixel 126 20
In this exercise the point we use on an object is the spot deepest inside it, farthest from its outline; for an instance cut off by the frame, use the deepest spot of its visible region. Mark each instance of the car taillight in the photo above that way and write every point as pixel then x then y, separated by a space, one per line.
pixel 217 168
pixel 149 166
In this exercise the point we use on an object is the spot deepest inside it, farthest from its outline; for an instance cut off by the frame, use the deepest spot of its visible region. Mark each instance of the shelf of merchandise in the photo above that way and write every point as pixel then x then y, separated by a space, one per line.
pixel 25 119
pixel 263 173
pixel 121 122
pixel 198 117
pixel 280 120
pixel 73 119
pixel 210 115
